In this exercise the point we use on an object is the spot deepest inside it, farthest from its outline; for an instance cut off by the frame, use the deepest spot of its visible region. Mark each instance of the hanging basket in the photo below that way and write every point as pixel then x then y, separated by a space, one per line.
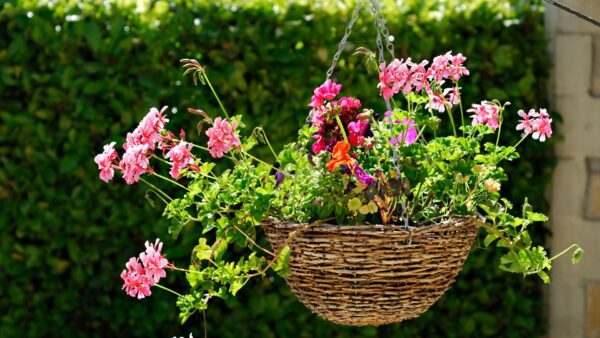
pixel 373 274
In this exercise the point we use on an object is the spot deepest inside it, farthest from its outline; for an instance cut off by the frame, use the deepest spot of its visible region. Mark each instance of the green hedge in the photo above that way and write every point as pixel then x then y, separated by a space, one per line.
pixel 75 75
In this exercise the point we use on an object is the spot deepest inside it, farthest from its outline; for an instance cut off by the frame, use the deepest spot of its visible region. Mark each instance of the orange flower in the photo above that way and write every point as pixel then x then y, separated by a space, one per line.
pixel 340 155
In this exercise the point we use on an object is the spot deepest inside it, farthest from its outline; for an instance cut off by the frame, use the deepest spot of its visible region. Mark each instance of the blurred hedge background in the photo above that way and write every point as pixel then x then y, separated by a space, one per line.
pixel 75 75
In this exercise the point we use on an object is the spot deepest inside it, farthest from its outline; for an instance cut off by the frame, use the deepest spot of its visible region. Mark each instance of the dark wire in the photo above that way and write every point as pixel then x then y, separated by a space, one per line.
pixel 574 12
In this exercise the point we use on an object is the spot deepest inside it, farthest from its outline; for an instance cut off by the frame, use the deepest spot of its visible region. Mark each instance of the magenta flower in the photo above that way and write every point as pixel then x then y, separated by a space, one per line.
pixel 363 176
pixel 542 126
pixel 105 162
pixel 180 156
pixel 485 114
pixel 526 124
pixel 327 91
pixel 357 131
pixel 411 133
pixel 135 281
pixel 349 103
pixel 221 137
pixel 135 163
pixel 319 144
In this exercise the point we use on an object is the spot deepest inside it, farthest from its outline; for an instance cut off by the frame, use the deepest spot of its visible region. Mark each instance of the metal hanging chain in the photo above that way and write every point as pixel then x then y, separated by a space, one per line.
pixel 381 27
pixel 574 12
pixel 342 43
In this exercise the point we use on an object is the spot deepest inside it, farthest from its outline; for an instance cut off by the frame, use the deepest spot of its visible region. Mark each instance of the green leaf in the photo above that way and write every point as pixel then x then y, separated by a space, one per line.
pixel 282 265
pixel 202 250
pixel 544 276
pixel 536 217
pixel 369 208
pixel 250 143
pixel 489 239
pixel 354 204
pixel 236 286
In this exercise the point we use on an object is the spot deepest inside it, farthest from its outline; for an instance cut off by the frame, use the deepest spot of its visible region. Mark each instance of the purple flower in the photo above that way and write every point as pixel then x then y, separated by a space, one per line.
pixel 279 177
pixel 411 133
pixel 363 176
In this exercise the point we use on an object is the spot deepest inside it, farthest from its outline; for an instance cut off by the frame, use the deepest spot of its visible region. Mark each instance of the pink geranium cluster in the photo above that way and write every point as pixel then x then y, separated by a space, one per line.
pixel 447 66
pixel 539 124
pixel 222 137
pixel 105 162
pixel 485 114
pixel 439 102
pixel 145 271
pixel 140 146
pixel 181 157
pixel 407 76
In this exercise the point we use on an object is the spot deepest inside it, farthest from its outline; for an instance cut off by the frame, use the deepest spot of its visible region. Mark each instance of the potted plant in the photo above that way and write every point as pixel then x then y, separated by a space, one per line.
pixel 370 214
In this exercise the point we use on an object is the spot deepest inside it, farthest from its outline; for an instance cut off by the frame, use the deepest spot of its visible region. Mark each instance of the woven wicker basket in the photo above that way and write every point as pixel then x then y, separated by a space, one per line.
pixel 370 274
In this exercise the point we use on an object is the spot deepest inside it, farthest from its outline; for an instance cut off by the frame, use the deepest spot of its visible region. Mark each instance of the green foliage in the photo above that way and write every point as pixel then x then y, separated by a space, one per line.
pixel 68 86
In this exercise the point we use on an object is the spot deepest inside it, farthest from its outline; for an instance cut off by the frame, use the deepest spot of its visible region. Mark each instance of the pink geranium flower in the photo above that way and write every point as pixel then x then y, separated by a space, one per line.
pixel 154 262
pixel 401 76
pixel 447 66
pixel 145 271
pixel 135 163
pixel 439 69
pixel 542 126
pixel 135 281
pixel 485 114
pixel 436 102
pixel 148 131
pixel 452 96
pixel 222 137
pixel 457 70
pixel 181 157
pixel 526 122
pixel 105 162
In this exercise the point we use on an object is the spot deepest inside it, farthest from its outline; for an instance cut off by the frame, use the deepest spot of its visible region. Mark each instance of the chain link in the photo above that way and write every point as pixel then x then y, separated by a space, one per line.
pixel 342 43
pixel 381 27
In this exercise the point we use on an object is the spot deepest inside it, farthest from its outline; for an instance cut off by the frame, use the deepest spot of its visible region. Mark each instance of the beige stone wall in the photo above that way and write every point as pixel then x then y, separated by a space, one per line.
pixel 574 294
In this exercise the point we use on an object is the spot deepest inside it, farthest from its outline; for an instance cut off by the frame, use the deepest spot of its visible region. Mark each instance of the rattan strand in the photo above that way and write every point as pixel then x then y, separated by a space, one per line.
pixel 370 274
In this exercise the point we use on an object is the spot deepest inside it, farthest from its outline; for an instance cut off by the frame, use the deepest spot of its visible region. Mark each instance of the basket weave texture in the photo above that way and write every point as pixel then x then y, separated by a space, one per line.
pixel 373 274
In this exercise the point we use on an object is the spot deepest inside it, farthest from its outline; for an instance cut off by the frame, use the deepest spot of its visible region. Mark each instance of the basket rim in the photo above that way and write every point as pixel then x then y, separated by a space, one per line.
pixel 475 219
